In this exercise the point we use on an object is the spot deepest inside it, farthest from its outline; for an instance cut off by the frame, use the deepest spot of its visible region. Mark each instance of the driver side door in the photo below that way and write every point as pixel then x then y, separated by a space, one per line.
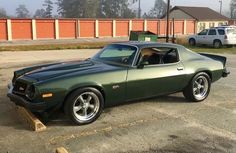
pixel 201 37
pixel 153 80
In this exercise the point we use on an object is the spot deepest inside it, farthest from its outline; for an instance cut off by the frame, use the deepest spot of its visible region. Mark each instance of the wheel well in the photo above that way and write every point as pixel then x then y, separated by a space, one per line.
pixel 92 86
pixel 207 72
pixel 192 39
pixel 217 40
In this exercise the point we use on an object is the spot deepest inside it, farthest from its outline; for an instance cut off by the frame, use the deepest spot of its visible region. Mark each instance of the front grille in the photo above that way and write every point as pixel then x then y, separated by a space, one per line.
pixel 20 87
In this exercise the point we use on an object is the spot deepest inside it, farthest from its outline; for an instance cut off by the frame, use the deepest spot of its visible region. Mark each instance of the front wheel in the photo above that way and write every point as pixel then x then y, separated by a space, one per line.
pixel 84 105
pixel 192 42
pixel 199 87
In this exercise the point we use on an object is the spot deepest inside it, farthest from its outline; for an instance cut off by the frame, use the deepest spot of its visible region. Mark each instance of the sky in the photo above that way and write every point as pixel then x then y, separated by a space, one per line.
pixel 32 5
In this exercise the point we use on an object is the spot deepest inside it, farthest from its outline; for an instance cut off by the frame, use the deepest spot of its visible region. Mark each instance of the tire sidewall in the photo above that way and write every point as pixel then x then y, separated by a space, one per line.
pixel 192 42
pixel 217 41
pixel 209 85
pixel 69 104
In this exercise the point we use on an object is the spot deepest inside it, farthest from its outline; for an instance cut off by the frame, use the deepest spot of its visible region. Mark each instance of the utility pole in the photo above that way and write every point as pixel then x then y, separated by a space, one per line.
pixel 167 20
pixel 100 8
pixel 139 9
pixel 220 6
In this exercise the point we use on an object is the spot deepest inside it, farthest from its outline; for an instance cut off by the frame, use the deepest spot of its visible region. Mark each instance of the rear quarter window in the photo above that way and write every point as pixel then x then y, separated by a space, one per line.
pixel 221 32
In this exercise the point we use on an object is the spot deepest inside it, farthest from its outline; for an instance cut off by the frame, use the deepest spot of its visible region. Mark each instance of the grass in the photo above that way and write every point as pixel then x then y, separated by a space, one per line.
pixel 231 50
pixel 89 45
pixel 98 45
pixel 184 41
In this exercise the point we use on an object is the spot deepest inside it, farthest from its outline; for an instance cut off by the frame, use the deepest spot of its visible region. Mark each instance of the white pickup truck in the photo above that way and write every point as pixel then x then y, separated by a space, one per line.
pixel 217 37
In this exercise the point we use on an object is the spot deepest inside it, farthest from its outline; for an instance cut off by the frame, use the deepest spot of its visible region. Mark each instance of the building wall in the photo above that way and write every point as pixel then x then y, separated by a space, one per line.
pixel 33 29
pixel 208 24
pixel 178 14
pixel 232 22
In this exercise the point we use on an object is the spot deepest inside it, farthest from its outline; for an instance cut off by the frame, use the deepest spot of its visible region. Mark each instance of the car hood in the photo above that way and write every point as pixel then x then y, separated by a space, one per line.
pixel 68 68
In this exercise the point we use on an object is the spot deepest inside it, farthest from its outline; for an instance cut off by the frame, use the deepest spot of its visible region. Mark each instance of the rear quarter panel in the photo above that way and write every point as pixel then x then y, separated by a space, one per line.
pixel 195 63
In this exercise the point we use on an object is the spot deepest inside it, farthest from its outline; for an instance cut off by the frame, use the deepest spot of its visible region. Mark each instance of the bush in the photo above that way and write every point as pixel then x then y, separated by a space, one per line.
pixel 182 40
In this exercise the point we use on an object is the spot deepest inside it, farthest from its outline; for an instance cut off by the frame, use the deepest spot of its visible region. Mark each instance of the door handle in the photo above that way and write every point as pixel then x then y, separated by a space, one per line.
pixel 180 68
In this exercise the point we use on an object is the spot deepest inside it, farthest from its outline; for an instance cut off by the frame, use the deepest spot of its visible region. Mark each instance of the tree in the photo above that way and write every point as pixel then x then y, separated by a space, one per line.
pixel 3 13
pixel 159 9
pixel 78 8
pixel 94 8
pixel 22 12
pixel 40 13
pixel 116 9
pixel 48 10
pixel 233 9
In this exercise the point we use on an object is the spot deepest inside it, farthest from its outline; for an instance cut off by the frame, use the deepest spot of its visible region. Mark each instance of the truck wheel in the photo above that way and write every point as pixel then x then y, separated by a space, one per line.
pixel 217 44
pixel 192 42
pixel 84 105
pixel 199 87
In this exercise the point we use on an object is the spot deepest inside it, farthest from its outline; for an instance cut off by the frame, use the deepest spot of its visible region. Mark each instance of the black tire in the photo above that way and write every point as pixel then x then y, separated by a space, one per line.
pixel 217 44
pixel 192 42
pixel 191 90
pixel 74 98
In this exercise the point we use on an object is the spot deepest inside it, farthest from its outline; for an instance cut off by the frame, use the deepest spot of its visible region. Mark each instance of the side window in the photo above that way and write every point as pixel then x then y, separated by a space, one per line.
pixel 203 32
pixel 212 32
pixel 221 32
pixel 158 55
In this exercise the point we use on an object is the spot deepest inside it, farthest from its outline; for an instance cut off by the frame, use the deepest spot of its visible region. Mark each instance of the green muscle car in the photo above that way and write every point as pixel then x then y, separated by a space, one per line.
pixel 119 73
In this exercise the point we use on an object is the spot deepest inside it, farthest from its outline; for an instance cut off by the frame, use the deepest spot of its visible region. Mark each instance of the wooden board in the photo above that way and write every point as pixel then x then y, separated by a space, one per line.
pixel 61 150
pixel 34 123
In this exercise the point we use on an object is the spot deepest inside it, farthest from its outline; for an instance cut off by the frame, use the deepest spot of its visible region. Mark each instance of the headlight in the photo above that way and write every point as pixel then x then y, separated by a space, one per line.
pixel 30 92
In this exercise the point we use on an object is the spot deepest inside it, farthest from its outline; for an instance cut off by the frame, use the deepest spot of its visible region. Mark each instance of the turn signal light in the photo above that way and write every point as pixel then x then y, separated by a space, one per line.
pixel 47 95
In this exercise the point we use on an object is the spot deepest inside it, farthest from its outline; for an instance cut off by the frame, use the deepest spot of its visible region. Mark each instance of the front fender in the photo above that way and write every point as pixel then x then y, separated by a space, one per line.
pixel 85 84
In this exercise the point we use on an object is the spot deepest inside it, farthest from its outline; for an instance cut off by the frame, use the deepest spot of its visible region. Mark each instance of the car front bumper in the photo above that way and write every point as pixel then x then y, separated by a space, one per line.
pixel 18 100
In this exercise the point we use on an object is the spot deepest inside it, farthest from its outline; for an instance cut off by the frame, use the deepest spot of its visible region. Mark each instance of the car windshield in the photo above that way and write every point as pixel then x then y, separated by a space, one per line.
pixel 231 31
pixel 117 54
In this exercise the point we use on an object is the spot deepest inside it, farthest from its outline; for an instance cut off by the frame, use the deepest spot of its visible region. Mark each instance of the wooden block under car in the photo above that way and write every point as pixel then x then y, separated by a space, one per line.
pixel 34 123
pixel 61 150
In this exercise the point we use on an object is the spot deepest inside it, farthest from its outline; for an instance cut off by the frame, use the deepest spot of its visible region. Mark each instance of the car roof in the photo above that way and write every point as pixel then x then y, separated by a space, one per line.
pixel 142 44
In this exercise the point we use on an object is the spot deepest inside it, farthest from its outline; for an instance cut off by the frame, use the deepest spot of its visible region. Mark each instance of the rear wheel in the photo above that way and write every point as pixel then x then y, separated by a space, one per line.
pixel 199 87
pixel 217 44
pixel 192 42
pixel 84 105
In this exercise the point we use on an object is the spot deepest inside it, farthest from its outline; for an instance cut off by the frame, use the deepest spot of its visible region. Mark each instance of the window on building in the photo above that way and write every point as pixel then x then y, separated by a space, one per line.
pixel 202 26
pixel 220 23
pixel 212 24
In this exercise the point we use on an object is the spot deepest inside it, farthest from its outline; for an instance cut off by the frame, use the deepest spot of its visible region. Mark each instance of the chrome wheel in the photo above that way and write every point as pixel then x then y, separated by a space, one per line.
pixel 200 87
pixel 86 106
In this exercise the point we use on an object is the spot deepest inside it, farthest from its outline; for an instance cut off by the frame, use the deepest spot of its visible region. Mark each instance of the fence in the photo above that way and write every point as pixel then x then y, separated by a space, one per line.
pixel 34 29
